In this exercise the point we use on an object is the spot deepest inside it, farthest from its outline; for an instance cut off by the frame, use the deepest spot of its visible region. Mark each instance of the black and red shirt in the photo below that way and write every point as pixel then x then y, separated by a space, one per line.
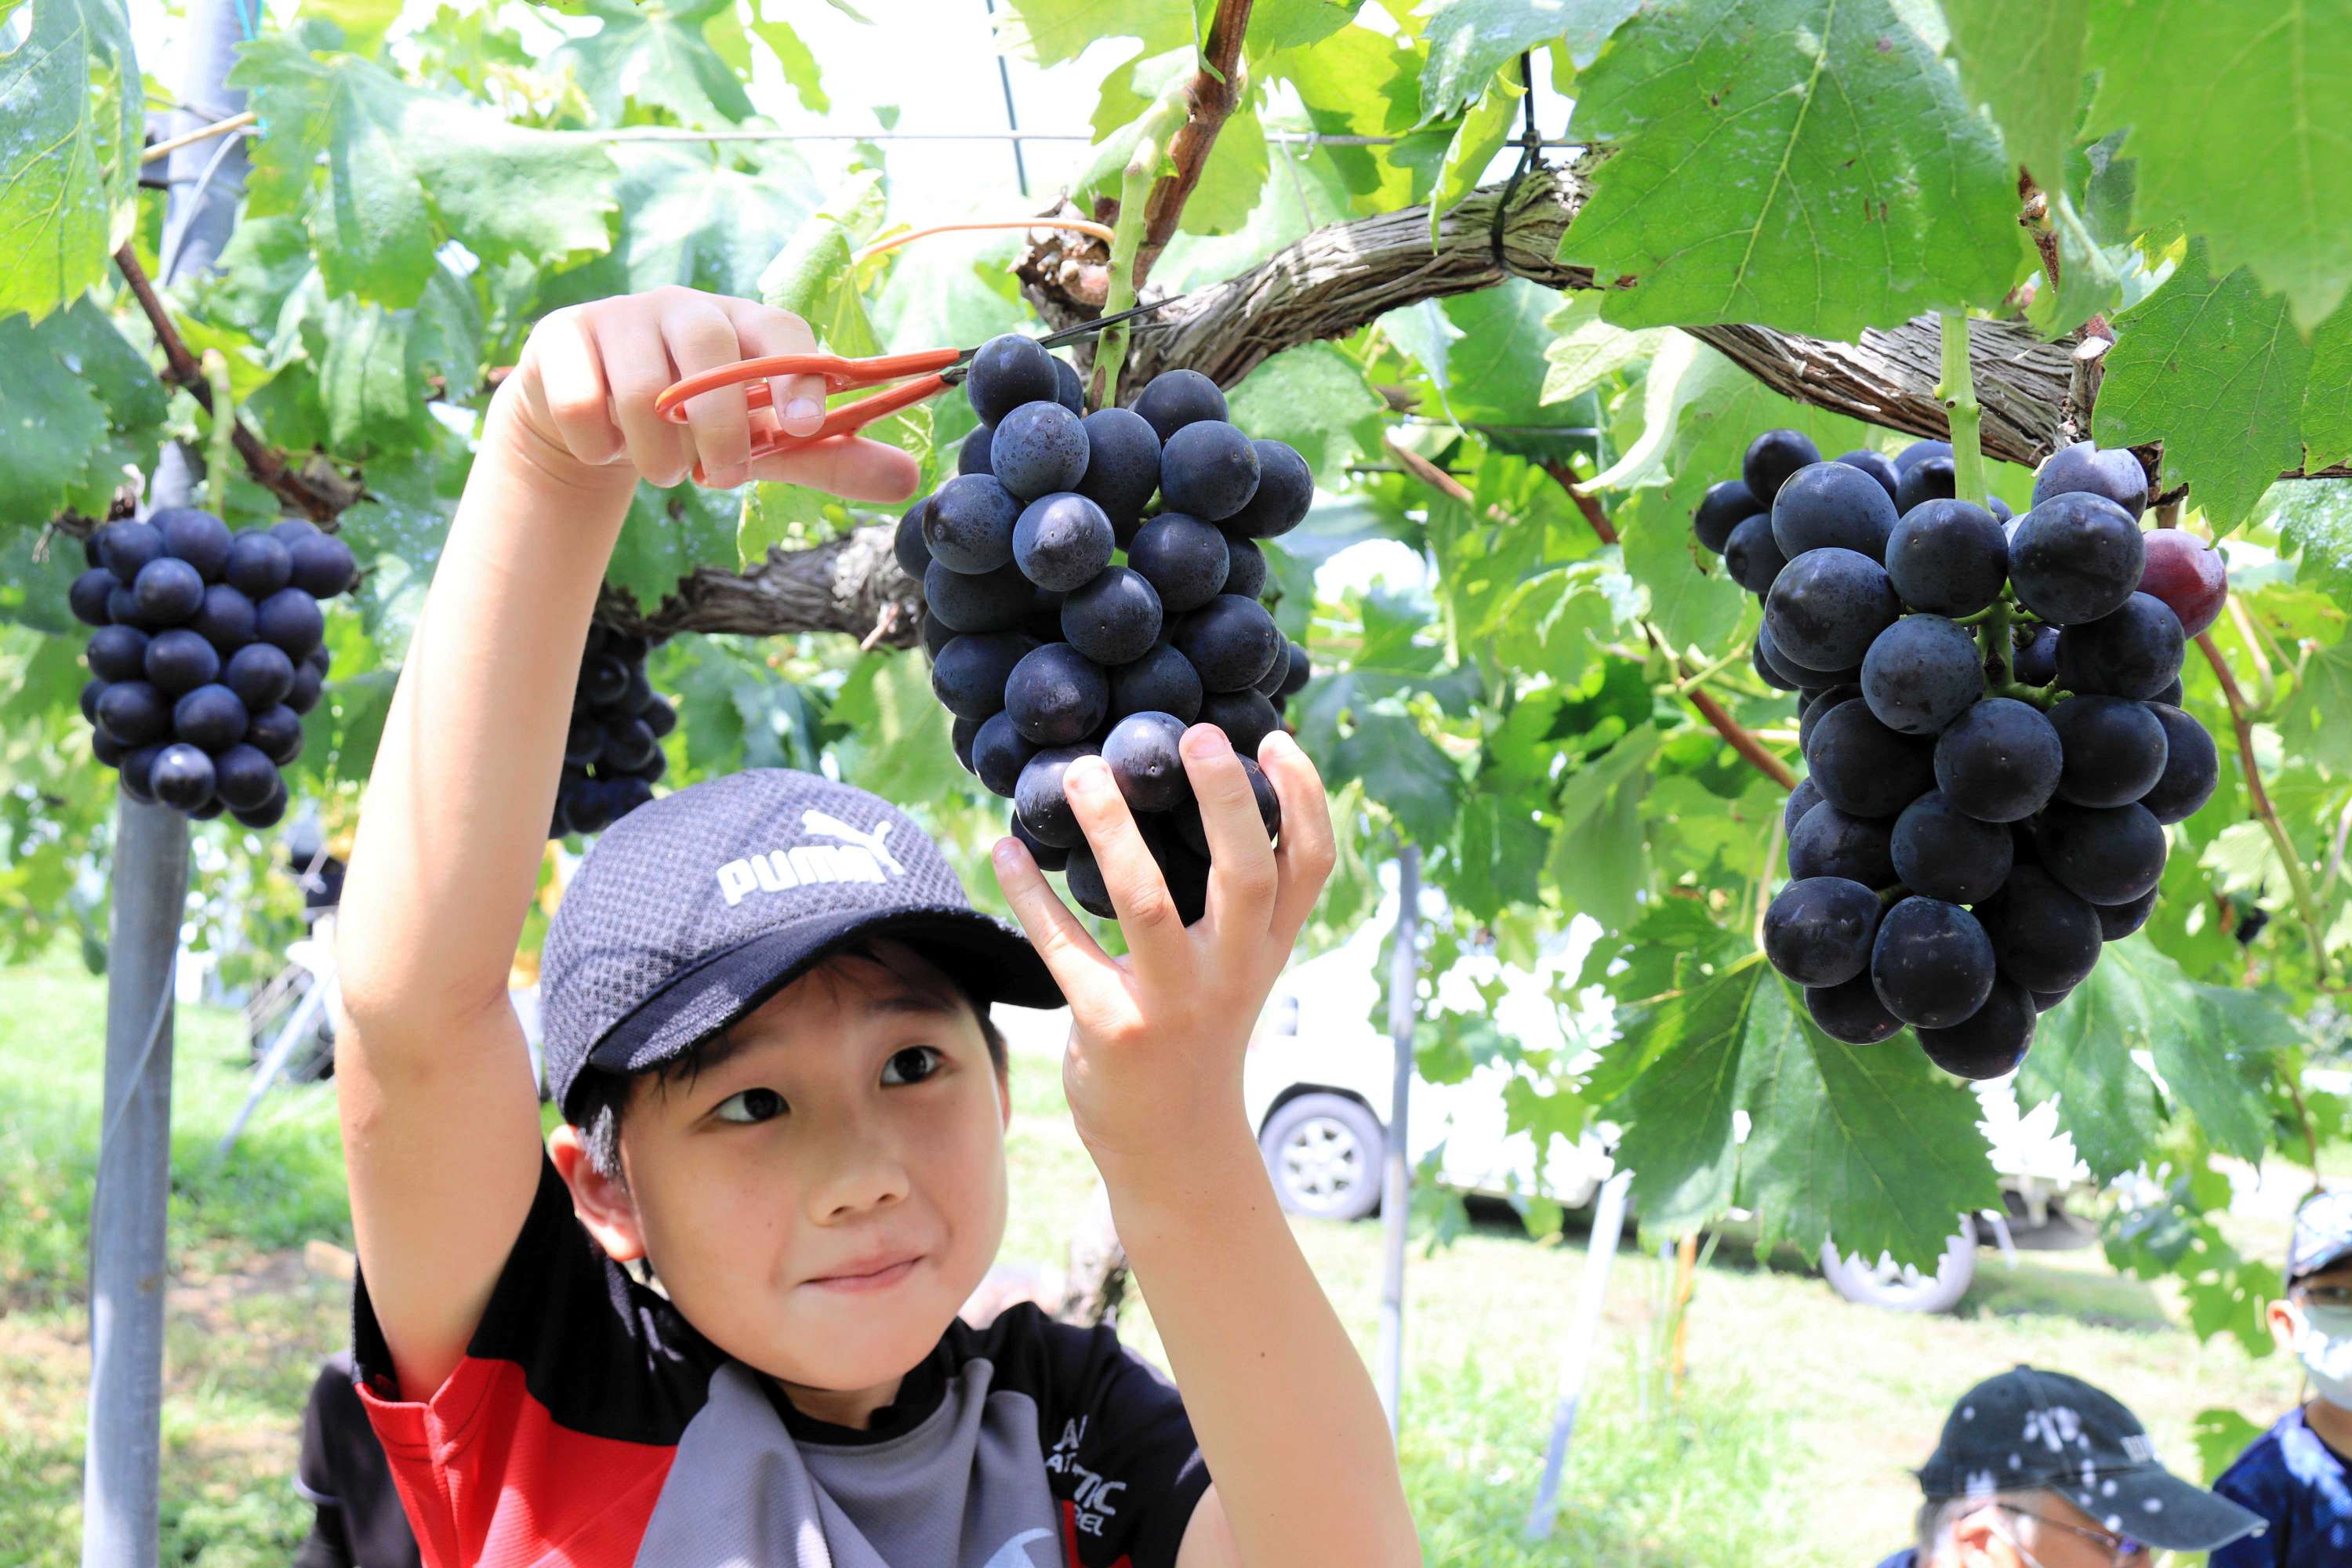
pixel 590 1424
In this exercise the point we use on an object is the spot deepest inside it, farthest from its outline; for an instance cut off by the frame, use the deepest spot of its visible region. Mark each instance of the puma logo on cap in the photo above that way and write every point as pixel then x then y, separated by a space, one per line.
pixel 860 857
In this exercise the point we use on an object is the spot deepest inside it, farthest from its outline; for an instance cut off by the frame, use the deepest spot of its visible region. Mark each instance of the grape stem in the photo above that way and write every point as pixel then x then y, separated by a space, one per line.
pixel 223 456
pixel 1160 122
pixel 2306 908
pixel 1958 392
pixel 1993 637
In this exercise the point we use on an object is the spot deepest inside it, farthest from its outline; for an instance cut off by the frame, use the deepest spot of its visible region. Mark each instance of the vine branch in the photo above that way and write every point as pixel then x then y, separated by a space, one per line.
pixel 2306 909
pixel 1214 90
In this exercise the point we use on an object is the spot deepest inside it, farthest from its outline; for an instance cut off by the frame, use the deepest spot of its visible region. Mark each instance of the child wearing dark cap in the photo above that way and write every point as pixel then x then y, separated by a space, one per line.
pixel 2298 1475
pixel 766 1013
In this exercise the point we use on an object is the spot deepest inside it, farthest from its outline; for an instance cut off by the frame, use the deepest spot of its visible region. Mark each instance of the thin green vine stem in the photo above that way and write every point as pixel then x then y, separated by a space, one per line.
pixel 1166 116
pixel 2000 648
pixel 1958 391
pixel 222 458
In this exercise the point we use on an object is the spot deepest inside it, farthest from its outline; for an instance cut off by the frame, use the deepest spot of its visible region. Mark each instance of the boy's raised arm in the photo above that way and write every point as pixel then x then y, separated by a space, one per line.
pixel 440 1120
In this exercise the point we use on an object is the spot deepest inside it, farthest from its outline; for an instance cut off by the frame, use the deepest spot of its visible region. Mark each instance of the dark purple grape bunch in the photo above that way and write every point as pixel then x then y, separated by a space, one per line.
pixel 1067 615
pixel 1992 724
pixel 207 649
pixel 612 755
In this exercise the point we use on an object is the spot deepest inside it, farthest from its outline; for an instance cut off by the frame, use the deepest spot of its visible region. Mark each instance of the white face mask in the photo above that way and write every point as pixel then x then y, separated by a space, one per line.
pixel 2322 1343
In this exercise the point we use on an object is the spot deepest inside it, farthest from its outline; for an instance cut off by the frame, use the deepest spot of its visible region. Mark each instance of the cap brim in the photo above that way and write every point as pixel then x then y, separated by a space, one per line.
pixel 990 958
pixel 2321 1261
pixel 2158 1507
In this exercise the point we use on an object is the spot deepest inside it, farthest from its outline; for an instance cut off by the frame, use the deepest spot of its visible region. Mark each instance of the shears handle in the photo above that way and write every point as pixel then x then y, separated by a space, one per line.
pixel 839 374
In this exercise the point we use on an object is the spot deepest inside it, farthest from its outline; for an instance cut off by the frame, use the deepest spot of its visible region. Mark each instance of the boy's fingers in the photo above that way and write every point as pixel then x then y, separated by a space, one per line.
pixel 569 387
pixel 1304 858
pixel 766 331
pixel 1241 860
pixel 700 337
pixel 1147 910
pixel 638 366
pixel 847 466
pixel 1078 962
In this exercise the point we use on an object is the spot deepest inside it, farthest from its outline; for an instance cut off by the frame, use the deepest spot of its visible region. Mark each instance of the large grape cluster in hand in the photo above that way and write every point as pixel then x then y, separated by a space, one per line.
pixel 1067 615
pixel 612 755
pixel 206 651
pixel 1990 717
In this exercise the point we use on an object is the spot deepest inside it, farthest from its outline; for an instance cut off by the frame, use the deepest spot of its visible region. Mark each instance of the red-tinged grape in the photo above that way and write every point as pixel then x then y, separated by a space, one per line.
pixel 2187 575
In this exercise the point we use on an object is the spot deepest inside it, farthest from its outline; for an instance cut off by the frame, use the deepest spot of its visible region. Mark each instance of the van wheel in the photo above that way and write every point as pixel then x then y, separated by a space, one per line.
pixel 1324 1151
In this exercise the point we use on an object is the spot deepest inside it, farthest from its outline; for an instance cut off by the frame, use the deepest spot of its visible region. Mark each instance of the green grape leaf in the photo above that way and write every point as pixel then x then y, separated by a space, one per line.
pixel 658 57
pixel 90 346
pixel 2314 517
pixel 897 736
pixel 1486 126
pixel 1599 859
pixel 2327 397
pixel 401 169
pixel 374 361
pixel 2082 1058
pixel 1470 40
pixel 1315 398
pixel 799 65
pixel 71 99
pixel 1403 771
pixel 1232 179
pixel 1496 369
pixel 691 216
pixel 2312 723
pixel 1802 163
pixel 2023 59
pixel 2222 1435
pixel 2089 280
pixel 2213 368
pixel 1585 350
pixel 1052 31
pixel 1494 859
pixel 2269 195
pixel 1296 23
pixel 363 22
pixel 1359 82
pixel 670 534
pixel 52 426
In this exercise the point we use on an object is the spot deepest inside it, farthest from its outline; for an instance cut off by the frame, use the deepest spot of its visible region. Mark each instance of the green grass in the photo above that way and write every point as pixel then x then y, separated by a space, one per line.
pixel 1785 1447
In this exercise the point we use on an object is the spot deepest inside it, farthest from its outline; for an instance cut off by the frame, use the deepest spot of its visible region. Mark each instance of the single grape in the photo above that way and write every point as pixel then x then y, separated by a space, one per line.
pixel 1006 371
pixel 104 749
pixel 2083 468
pixel 1246 568
pixel 181 778
pixel 210 716
pixel 1877 465
pixel 660 717
pixel 1771 457
pixel 117 653
pixel 134 713
pixel 1949 557
pixel 168 592
pixel 1919 452
pixel 1818 932
pixel 1245 717
pixel 91 691
pixel 122 609
pixel 1061 541
pixel 2075 557
pixel 970 675
pixel 289 618
pixel 1760 654
pixel 1184 873
pixel 972 453
pixel 1038 448
pixel 178 661
pixel 1864 768
pixel 1069 390
pixel 1832 506
pixel 2136 652
pixel 1085 878
pixel 244 777
pixel 257 565
pixel 1941 852
pixel 291 531
pixel 1826 607
pixel 1208 468
pixel 1922 673
pixel 1269 684
pixel 2000 761
pixel 907 545
pixel 603 680
pixel 226 618
pixel 1815 706
pixel 88 594
pixel 1161 681
pixel 584 742
pixel 935 633
pixel 1141 752
pixel 1301 672
pixel 1801 799
pixel 1122 466
pixel 1056 695
pixel 2035 659
pixel 2109 854
pixel 629 745
pixel 268 813
pixel 1230 640
pixel 1039 799
pixel 1727 505
pixel 1049 857
pixel 125 549
pixel 2114 750
pixel 967 526
pixel 2172 695
pixel 1752 556
pixel 1827 842
pixel 1114 619
pixel 276 733
pixel 1932 963
pixel 2187 575
pixel 2044 936
pixel 2117 922
pixel 2193 769
pixel 1990 1041
pixel 1852 1012
pixel 983 602
pixel 1194 833
pixel 2046 1000
pixel 137 768
pixel 999 751
pixel 1175 398
pixel 322 566
pixel 1286 489
pixel 1184 559
pixel 1929 478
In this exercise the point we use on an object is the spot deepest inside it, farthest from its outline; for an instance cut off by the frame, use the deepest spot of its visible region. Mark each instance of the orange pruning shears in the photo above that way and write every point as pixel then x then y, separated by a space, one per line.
pixel 933 370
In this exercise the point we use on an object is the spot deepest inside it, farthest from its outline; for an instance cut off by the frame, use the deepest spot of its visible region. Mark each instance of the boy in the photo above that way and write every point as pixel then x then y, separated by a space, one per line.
pixel 2298 1475
pixel 765 1009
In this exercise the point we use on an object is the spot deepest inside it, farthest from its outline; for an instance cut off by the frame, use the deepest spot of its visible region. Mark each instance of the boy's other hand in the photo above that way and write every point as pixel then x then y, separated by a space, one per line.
pixel 1154 1067
pixel 581 399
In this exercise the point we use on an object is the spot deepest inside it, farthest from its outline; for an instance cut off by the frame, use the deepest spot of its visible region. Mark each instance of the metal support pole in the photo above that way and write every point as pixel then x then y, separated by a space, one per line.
pixel 1584 1337
pixel 1396 1166
pixel 1011 118
pixel 123 1462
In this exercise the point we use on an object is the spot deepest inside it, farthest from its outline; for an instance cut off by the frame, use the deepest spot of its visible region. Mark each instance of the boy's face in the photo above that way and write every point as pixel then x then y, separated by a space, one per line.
pixel 2331 1288
pixel 853 1118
